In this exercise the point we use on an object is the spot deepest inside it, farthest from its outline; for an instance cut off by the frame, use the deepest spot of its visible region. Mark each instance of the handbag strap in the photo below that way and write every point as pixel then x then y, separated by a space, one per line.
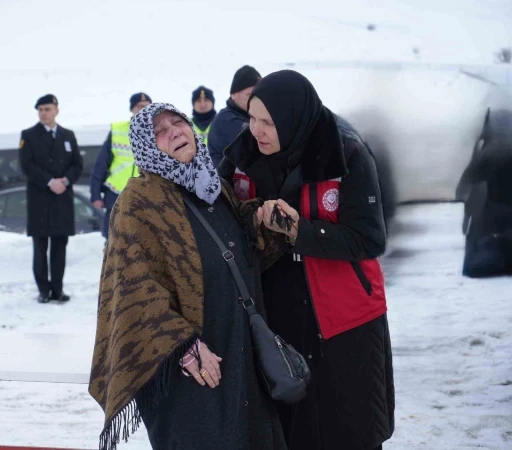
pixel 229 257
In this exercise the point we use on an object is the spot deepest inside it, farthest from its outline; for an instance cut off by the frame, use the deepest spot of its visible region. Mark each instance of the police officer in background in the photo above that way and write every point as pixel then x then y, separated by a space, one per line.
pixel 230 120
pixel 115 164
pixel 203 113
pixel 51 161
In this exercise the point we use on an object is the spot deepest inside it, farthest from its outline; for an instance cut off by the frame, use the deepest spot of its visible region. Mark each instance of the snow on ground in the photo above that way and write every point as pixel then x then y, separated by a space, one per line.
pixel 451 336
pixel 452 340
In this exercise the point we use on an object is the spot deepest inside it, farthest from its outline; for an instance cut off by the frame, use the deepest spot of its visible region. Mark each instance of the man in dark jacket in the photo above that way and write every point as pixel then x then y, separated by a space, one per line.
pixel 51 161
pixel 115 165
pixel 229 121
pixel 203 112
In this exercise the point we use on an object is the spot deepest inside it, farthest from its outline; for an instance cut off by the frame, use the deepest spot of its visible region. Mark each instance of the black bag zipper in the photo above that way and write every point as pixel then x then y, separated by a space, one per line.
pixel 285 357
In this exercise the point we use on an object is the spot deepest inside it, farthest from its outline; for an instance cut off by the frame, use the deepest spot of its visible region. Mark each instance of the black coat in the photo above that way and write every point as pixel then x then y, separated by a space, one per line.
pixel 238 414
pixel 42 158
pixel 363 231
pixel 350 403
pixel 224 129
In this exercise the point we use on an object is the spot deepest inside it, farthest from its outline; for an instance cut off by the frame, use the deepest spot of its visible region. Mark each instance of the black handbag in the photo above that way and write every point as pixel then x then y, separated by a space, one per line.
pixel 284 371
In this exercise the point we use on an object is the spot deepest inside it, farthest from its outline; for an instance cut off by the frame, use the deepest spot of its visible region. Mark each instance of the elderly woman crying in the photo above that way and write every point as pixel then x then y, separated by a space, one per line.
pixel 173 346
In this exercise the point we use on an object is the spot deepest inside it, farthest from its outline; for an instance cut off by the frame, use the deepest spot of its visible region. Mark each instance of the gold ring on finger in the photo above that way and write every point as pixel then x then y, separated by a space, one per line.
pixel 203 373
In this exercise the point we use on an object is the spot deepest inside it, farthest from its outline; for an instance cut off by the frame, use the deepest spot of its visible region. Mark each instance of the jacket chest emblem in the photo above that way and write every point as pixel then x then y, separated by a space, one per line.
pixel 331 200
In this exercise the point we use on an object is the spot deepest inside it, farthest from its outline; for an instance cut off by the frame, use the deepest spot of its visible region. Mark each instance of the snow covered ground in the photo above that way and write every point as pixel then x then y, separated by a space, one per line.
pixel 452 341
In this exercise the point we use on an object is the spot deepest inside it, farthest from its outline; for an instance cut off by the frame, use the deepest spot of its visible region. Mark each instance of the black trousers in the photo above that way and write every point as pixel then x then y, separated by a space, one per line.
pixel 57 263
pixel 105 224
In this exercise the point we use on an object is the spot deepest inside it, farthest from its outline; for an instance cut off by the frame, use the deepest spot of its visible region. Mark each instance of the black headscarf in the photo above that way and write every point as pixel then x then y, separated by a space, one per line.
pixel 307 130
pixel 294 105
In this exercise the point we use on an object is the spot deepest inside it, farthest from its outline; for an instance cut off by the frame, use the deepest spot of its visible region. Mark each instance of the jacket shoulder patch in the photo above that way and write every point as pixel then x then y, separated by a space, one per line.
pixel 331 199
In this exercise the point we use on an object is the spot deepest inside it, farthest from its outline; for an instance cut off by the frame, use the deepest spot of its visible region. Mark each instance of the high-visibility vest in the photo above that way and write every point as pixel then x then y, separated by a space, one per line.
pixel 123 164
pixel 203 134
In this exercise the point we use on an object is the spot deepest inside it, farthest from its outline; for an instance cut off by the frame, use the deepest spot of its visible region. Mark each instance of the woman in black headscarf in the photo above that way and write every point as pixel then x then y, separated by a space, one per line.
pixel 325 296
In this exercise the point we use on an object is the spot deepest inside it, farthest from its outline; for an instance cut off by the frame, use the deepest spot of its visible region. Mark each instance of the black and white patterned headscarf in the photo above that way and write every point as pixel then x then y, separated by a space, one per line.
pixel 199 176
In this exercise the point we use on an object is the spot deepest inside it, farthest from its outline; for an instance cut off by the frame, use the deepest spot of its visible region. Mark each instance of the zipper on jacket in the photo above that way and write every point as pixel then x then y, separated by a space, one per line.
pixel 313 212
pixel 319 335
pixel 278 341
pixel 321 345
pixel 367 286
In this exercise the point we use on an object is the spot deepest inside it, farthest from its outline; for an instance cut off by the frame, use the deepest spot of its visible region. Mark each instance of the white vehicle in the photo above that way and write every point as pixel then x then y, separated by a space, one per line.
pixel 421 120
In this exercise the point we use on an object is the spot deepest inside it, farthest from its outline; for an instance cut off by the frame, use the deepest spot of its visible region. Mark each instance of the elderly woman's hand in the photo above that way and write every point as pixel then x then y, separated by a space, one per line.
pixel 210 372
pixel 284 208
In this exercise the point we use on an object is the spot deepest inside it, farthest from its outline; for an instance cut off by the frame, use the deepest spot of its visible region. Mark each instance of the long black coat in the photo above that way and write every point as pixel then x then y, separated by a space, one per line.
pixel 42 158
pixel 350 403
pixel 236 415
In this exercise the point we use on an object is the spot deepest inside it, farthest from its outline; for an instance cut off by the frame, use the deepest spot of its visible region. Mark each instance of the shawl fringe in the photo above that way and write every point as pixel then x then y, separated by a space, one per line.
pixel 127 420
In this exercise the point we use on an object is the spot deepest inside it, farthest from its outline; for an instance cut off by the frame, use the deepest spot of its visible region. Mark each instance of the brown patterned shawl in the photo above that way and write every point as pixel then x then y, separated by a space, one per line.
pixel 151 298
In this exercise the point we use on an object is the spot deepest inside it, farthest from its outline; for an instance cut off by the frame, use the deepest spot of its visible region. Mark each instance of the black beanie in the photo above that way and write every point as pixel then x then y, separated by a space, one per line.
pixel 48 99
pixel 245 77
pixel 139 97
pixel 203 92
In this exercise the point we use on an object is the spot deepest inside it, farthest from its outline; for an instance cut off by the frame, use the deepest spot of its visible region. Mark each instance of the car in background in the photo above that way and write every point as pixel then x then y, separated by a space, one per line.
pixel 90 140
pixel 13 211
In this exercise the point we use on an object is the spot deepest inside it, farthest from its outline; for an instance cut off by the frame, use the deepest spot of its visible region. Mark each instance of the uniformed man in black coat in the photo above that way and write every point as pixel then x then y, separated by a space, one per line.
pixel 51 161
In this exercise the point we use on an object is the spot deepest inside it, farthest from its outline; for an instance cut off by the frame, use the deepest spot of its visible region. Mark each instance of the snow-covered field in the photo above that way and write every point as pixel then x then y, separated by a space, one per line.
pixel 452 340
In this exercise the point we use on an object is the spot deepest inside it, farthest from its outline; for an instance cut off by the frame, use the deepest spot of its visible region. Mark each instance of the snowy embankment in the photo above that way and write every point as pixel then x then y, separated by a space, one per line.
pixel 451 337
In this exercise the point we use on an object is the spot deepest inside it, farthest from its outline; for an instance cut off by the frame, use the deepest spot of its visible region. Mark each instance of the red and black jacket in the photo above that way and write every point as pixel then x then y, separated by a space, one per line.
pixel 341 233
